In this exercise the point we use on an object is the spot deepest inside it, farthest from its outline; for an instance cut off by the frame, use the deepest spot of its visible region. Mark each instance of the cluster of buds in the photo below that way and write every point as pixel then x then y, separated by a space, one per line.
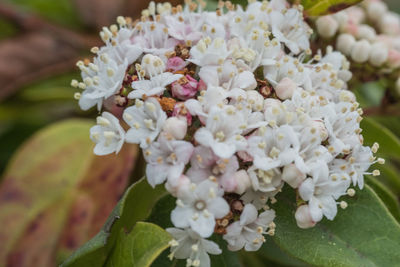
pixel 366 33
pixel 228 107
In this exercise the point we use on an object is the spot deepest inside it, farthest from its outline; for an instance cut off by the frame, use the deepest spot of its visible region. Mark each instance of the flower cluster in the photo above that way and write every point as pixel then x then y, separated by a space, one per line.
pixel 228 107
pixel 368 32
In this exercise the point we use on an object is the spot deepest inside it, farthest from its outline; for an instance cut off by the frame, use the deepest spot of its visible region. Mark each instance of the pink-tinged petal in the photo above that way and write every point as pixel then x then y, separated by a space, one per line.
pixel 249 214
pixel 156 174
pixel 303 217
pixel 183 151
pixel 224 150
pixel 174 172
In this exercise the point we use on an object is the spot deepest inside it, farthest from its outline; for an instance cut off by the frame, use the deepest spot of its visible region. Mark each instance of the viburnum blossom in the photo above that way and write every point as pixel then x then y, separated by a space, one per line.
pixel 230 108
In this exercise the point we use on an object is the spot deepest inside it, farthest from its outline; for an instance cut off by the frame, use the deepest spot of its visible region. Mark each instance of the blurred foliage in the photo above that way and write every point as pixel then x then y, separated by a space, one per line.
pixel 55 188
pixel 59 11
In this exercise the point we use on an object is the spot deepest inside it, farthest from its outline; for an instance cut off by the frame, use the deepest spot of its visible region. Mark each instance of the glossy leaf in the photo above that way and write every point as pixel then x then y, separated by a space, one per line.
pixel 364 234
pixel 323 7
pixel 140 247
pixel 390 200
pixel 135 205
pixel 375 132
pixel 53 182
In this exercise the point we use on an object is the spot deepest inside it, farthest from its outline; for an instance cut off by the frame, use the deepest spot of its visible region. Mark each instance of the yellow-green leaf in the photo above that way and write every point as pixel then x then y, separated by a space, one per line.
pixel 140 247
pixel 323 7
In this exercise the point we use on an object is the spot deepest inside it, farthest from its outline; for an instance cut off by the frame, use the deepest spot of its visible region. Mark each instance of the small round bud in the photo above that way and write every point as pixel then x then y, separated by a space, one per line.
pixel 74 83
pixel 389 24
pixel 77 96
pixel 327 26
pixel 379 54
pixel 243 181
pixel 376 9
pixel 292 175
pixel 176 127
pixel 345 43
pixel 360 51
pixel 303 217
pixel 366 32
pixel 285 88
pixel 351 192
pixel 343 204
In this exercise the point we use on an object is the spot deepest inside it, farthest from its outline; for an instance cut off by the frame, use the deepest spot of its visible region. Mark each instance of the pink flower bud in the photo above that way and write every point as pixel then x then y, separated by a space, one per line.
pixel 243 181
pixel 176 127
pixel 184 88
pixel 292 175
pixel 394 58
pixel 303 217
pixel 181 112
pixel 285 88
pixel 176 63
pixel 181 185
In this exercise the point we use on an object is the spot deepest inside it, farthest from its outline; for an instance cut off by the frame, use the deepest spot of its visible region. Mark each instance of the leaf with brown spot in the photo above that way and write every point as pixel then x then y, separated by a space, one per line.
pixel 57 168
pixel 323 7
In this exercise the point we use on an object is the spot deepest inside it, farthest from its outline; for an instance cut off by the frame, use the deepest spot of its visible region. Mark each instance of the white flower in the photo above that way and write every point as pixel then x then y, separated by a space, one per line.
pixel 248 232
pixel 290 29
pixel 303 217
pixel 102 79
pixel 265 181
pixel 205 164
pixel 153 67
pixel 107 134
pixel 119 46
pixel 207 52
pixel 222 132
pixel 274 147
pixel 146 120
pixel 322 190
pixel 187 244
pixel 199 206
pixel 166 159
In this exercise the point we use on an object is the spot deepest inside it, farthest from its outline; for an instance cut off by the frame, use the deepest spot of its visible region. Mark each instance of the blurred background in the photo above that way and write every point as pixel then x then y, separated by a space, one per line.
pixel 54 194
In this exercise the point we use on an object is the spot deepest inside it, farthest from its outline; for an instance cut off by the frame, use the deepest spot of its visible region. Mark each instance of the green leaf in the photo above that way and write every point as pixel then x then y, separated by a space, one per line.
pixel 390 122
pixel 272 253
pixel 140 247
pixel 364 234
pixel 371 93
pixel 60 11
pixel 390 177
pixel 134 206
pixel 375 132
pixel 323 7
pixel 385 195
